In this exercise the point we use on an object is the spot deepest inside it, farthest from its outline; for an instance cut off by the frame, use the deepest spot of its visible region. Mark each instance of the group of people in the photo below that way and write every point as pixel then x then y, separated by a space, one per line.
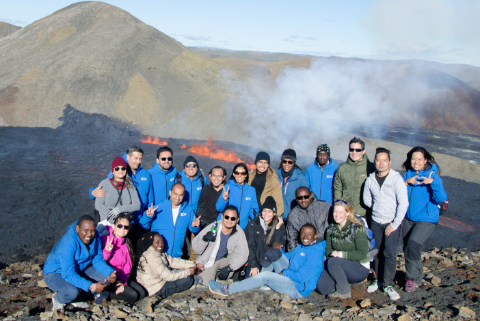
pixel 279 230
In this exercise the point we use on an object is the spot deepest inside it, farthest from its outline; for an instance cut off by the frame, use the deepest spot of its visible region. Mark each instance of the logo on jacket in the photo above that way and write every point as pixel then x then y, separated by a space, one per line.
pixel 199 188
pixel 171 179
pixel 183 214
pixel 248 198
pixel 329 176
pixel 143 178
pixel 302 254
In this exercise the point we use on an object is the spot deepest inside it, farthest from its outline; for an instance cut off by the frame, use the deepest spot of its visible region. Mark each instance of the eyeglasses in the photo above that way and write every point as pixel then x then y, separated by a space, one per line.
pixel 341 201
pixel 358 150
pixel 120 169
pixel 231 218
pixel 167 159
pixel 191 165
pixel 125 227
pixel 302 197
pixel 240 173
pixel 287 162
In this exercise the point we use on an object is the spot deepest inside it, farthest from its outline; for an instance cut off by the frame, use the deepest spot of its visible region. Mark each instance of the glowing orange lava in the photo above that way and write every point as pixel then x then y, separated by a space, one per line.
pixel 154 141
pixel 183 146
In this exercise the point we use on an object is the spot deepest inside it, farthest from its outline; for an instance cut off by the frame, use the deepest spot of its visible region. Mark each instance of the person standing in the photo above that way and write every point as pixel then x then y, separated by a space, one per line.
pixel 193 180
pixel 210 193
pixel 163 173
pixel 385 192
pixel 321 173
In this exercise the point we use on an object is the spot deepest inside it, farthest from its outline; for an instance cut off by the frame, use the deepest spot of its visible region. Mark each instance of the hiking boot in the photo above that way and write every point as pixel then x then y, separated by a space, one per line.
pixel 218 288
pixel 79 305
pixel 99 297
pixel 374 286
pixel 392 294
pixel 56 305
pixel 411 285
pixel 336 295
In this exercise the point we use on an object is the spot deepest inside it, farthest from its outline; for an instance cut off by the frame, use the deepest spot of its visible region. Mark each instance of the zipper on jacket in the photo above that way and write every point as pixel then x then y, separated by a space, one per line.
pixel 321 182
pixel 241 201
pixel 166 186
pixel 191 193
pixel 354 184
pixel 410 201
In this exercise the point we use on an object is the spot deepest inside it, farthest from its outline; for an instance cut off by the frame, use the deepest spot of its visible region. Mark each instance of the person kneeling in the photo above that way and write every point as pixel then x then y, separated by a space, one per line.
pixel 160 273
pixel 296 279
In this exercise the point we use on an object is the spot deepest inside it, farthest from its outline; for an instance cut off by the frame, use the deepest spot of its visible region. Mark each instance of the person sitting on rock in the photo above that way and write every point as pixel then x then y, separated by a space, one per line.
pixel 264 232
pixel 120 195
pixel 308 210
pixel 118 253
pixel 296 273
pixel 221 247
pixel 160 273
pixel 76 266
pixel 347 261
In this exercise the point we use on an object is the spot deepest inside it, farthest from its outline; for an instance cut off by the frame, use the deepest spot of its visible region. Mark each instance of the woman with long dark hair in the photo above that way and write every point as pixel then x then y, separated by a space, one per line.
pixel 425 192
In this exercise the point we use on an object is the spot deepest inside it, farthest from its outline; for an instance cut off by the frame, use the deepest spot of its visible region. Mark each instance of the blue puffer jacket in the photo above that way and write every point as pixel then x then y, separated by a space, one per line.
pixel 162 182
pixel 193 188
pixel 306 266
pixel 70 257
pixel 423 199
pixel 162 222
pixel 294 181
pixel 243 197
pixel 321 181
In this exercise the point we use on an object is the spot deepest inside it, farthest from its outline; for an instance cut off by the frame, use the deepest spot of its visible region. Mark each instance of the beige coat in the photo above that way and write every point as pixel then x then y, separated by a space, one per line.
pixel 272 188
pixel 154 269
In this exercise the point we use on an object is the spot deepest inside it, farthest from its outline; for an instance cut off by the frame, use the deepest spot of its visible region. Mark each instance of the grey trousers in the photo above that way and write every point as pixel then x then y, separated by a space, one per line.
pixel 210 273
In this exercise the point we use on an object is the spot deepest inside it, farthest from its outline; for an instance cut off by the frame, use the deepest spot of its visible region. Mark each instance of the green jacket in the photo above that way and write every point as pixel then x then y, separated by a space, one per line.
pixel 350 181
pixel 353 250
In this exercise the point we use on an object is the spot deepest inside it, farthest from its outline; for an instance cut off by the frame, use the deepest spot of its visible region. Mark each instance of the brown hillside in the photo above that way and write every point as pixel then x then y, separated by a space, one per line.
pixel 6 29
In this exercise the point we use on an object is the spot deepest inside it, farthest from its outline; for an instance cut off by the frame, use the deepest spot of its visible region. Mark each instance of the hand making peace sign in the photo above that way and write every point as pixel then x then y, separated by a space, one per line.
pixel 226 193
pixel 151 211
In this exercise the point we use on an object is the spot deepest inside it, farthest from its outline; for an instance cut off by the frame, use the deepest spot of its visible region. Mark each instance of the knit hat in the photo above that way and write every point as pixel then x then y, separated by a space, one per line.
pixel 270 204
pixel 271 255
pixel 323 148
pixel 289 154
pixel 262 156
pixel 190 159
pixel 118 161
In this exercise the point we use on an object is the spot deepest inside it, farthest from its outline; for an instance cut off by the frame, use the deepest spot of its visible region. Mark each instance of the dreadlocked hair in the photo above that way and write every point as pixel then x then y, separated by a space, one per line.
pixel 144 243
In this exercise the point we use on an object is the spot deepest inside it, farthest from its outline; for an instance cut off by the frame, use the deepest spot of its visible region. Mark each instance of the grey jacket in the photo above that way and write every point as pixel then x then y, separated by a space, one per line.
pixel 130 200
pixel 237 246
pixel 316 214
pixel 389 203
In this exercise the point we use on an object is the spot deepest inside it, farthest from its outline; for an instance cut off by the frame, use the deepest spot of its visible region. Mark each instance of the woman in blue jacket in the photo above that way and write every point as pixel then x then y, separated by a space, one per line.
pixel 425 191
pixel 239 194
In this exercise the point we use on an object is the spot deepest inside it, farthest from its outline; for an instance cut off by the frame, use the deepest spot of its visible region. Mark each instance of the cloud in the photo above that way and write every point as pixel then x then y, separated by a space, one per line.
pixel 18 23
pixel 196 38
pixel 299 39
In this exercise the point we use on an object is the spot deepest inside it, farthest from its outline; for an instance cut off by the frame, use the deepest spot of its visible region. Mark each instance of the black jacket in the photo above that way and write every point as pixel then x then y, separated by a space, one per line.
pixel 256 241
pixel 207 204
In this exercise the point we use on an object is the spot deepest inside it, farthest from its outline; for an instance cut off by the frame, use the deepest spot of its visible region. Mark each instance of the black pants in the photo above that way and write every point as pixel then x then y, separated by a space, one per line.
pixel 385 264
pixel 133 292
pixel 172 287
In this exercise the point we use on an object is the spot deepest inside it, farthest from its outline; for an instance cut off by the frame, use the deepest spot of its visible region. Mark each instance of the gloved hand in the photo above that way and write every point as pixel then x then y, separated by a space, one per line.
pixel 224 272
pixel 112 215
pixel 209 237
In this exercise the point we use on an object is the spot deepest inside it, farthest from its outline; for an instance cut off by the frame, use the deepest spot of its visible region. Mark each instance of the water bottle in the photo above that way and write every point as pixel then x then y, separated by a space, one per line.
pixel 214 228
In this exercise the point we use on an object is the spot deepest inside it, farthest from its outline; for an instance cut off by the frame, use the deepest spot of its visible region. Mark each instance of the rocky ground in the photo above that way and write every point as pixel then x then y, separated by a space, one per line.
pixel 450 291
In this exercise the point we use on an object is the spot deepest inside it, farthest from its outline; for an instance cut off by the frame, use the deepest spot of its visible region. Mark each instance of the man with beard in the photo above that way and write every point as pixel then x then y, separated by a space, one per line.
pixel 210 193
pixel 164 174
pixel 321 173
pixel 309 210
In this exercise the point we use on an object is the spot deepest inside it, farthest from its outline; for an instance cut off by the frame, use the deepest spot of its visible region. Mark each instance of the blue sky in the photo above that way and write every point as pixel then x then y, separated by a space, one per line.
pixel 437 30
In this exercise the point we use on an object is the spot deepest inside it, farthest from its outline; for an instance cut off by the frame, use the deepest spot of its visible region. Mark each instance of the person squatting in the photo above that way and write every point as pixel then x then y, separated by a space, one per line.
pixel 162 231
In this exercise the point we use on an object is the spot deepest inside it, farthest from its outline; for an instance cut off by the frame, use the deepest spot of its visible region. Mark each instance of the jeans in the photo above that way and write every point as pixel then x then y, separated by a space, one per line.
pixel 414 235
pixel 172 287
pixel 276 282
pixel 339 274
pixel 67 292
pixel 385 263
pixel 278 266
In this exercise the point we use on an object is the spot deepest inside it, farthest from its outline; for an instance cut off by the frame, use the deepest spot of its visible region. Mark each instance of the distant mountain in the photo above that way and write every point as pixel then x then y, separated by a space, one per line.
pixel 6 29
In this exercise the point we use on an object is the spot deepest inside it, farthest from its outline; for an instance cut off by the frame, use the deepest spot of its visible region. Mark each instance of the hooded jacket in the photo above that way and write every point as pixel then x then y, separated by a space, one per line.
pixel 257 245
pixel 207 204
pixel 349 182
pixel 162 222
pixel 118 257
pixel 390 202
pixel 320 181
pixel 294 181
pixel 316 213
pixel 193 188
pixel 272 188
pixel 237 246
pixel 70 256
pixel 306 266
pixel 243 197
pixel 423 199
pixel 162 182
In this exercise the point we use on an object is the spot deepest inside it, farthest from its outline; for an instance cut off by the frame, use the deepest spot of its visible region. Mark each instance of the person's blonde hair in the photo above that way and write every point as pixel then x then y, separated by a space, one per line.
pixel 350 211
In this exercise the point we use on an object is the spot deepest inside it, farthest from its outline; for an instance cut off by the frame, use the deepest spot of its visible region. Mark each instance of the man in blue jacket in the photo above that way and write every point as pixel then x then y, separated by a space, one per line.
pixel 321 173
pixel 164 174
pixel 171 218
pixel 193 180
pixel 76 264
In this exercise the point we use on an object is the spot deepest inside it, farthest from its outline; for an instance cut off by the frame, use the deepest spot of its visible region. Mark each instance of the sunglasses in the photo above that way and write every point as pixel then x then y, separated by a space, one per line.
pixel 125 227
pixel 191 165
pixel 120 169
pixel 341 201
pixel 287 162
pixel 167 159
pixel 231 218
pixel 240 173
pixel 358 150
pixel 302 197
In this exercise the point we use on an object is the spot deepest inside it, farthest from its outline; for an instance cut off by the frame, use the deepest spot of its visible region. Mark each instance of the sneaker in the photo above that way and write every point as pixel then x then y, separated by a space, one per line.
pixel 56 305
pixel 99 297
pixel 218 288
pixel 392 294
pixel 373 287
pixel 336 295
pixel 79 305
pixel 264 288
pixel 411 285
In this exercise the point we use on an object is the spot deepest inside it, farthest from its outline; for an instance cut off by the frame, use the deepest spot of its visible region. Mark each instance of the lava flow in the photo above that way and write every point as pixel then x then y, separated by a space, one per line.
pixel 154 141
